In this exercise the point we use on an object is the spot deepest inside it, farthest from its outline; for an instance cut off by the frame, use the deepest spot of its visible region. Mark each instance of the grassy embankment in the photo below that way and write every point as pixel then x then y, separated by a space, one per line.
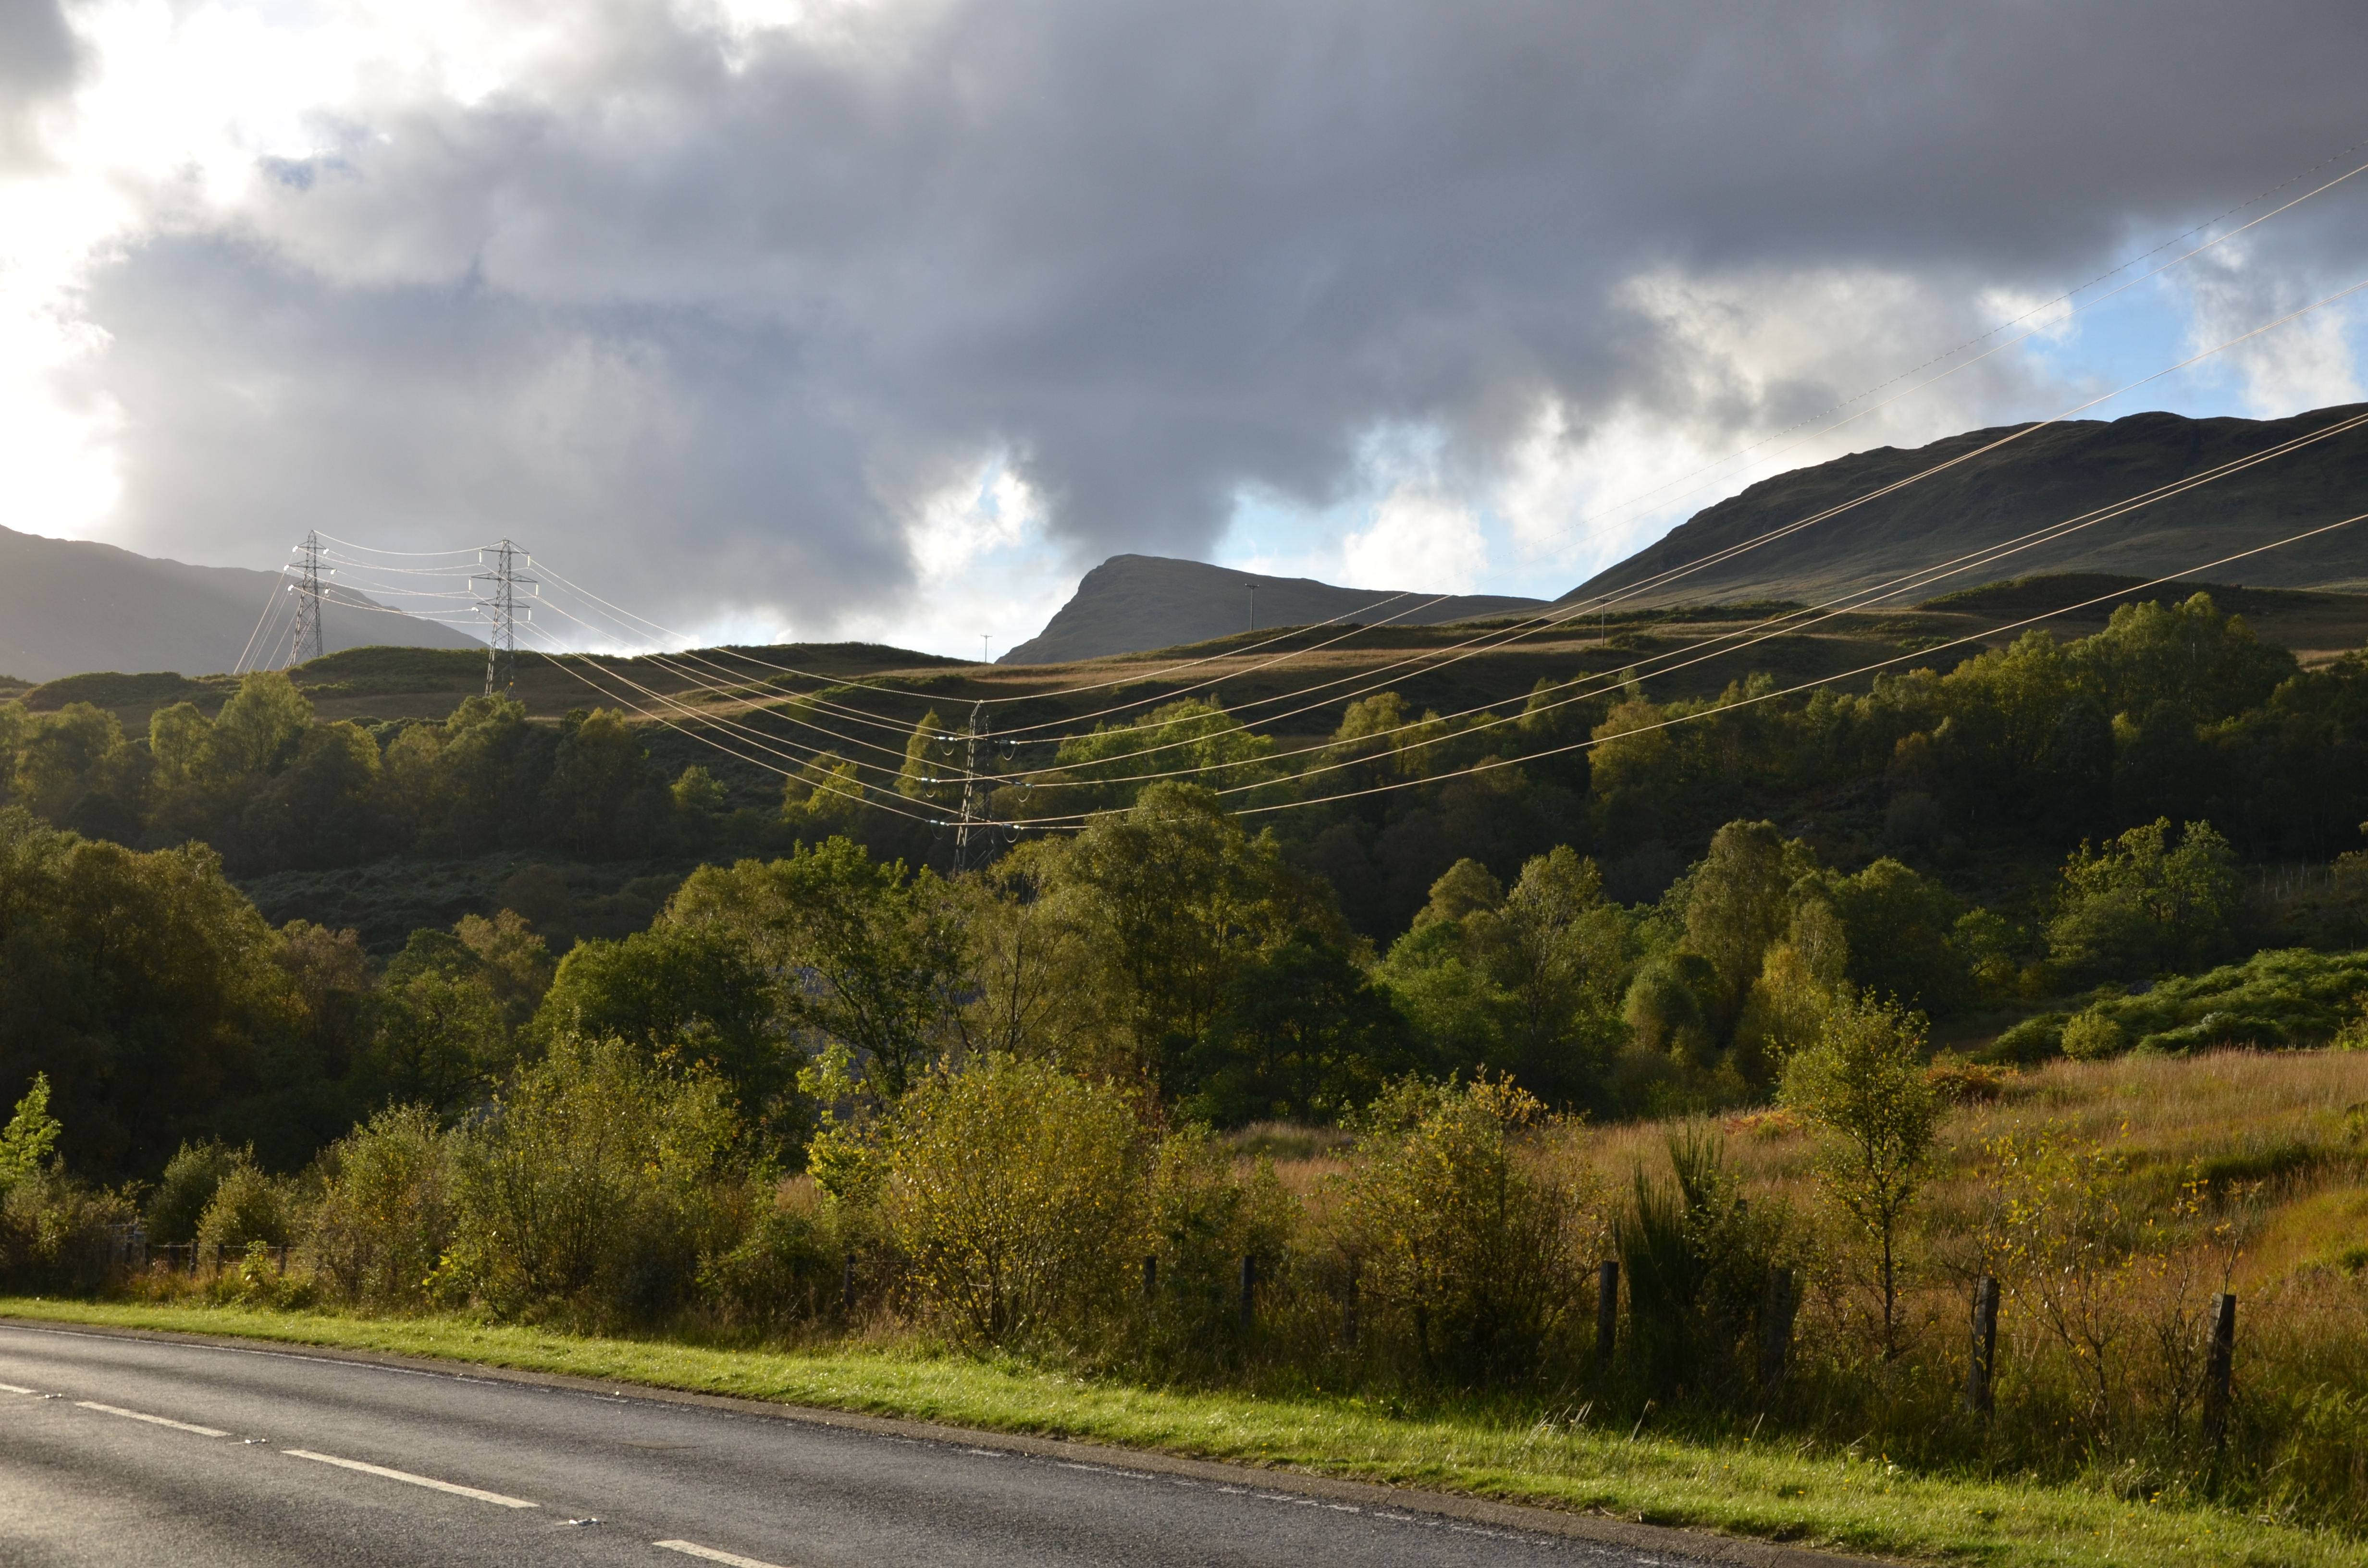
pixel 1850 1502
pixel 2296 1124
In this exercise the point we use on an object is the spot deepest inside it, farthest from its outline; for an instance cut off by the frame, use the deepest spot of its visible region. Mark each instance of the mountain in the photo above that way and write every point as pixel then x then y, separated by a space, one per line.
pixel 1131 603
pixel 68 605
pixel 2055 474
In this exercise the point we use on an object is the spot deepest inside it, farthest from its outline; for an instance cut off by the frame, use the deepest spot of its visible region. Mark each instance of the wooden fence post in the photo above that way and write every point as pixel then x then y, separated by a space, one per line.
pixel 1249 1289
pixel 1607 1313
pixel 1981 1367
pixel 2219 1372
pixel 1776 1328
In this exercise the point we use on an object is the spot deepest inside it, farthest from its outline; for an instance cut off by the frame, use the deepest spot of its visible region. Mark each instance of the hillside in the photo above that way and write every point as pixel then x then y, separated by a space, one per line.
pixel 68 605
pixel 2049 477
pixel 1131 603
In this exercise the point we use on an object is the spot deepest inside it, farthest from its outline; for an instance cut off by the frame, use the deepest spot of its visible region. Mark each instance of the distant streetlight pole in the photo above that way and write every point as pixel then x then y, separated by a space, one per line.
pixel 981 646
pixel 1253 589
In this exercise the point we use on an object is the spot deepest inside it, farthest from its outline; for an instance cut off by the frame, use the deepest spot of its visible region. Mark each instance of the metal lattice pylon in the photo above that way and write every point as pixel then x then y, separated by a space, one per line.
pixel 498 604
pixel 973 841
pixel 304 639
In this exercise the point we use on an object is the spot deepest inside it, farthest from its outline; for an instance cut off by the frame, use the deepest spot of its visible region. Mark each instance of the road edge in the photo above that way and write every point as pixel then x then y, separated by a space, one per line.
pixel 1601 1529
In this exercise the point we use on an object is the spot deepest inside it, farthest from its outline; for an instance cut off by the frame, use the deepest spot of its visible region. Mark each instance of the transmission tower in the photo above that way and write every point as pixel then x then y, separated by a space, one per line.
pixel 304 641
pixel 497 602
pixel 974 843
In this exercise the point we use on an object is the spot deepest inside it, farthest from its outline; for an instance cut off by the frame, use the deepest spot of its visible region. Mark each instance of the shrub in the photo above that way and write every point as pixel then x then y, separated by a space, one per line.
pixel 786 1266
pixel 1014 1195
pixel 55 1231
pixel 1204 1219
pixel 593 1186
pixel 188 1186
pixel 248 1206
pixel 2034 1040
pixel 1467 1253
pixel 385 1214
pixel 2090 1036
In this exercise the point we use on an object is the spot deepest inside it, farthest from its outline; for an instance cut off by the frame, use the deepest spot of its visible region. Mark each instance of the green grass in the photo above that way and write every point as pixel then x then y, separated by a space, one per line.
pixel 1850 1503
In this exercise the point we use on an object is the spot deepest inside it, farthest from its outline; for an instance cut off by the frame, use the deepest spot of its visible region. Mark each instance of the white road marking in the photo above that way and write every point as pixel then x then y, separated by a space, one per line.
pixel 12 1388
pixel 692 1549
pixel 404 1475
pixel 151 1420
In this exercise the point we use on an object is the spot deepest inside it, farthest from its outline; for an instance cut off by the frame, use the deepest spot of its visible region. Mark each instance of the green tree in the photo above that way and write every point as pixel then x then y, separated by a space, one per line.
pixel 31 1133
pixel 595 1186
pixel 73 768
pixel 2209 666
pixel 1455 1010
pixel 144 986
pixel 436 1037
pixel 1863 1087
pixel 477 782
pixel 1556 951
pixel 1306 1037
pixel 1179 898
pixel 321 809
pixel 1193 734
pixel 1739 902
pixel 1467 1248
pixel 879 959
pixel 2145 903
pixel 1899 926
pixel 602 799
pixel 693 995
pixel 331 977
pixel 259 730
pixel 191 1177
pixel 1028 949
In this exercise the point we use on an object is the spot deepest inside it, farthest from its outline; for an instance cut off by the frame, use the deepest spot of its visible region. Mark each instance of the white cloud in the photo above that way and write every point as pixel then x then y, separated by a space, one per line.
pixel 981 570
pixel 1419 539
pixel 2304 364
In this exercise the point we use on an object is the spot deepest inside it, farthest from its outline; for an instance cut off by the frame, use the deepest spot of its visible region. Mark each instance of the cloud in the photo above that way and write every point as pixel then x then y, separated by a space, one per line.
pixel 40 61
pixel 723 300
pixel 1418 538
pixel 2307 364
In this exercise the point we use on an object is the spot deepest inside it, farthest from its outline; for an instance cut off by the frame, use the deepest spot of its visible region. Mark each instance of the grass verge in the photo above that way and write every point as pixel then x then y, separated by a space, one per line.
pixel 1849 1503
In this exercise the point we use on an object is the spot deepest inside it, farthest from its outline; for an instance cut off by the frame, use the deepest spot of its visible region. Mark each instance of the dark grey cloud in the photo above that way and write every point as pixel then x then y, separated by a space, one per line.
pixel 721 308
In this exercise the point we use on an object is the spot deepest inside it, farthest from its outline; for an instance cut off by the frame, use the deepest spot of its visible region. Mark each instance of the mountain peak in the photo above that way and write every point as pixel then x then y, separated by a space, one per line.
pixel 1131 604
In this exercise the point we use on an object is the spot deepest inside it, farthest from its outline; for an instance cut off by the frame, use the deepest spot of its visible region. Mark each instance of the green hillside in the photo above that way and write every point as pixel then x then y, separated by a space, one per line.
pixel 2056 474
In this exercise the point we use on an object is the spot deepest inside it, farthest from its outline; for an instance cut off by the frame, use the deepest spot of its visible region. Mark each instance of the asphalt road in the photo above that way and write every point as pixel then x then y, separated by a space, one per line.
pixel 129 1451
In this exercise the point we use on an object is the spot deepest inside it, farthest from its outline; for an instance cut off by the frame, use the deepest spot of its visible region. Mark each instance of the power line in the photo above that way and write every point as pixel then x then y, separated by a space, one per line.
pixel 1602 512
pixel 1827 681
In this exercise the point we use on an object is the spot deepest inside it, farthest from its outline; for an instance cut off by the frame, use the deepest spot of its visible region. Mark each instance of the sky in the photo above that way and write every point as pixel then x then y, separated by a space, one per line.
pixel 890 318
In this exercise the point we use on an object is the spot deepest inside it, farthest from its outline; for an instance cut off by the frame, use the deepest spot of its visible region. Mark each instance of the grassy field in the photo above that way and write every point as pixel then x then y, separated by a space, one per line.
pixel 1851 1501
